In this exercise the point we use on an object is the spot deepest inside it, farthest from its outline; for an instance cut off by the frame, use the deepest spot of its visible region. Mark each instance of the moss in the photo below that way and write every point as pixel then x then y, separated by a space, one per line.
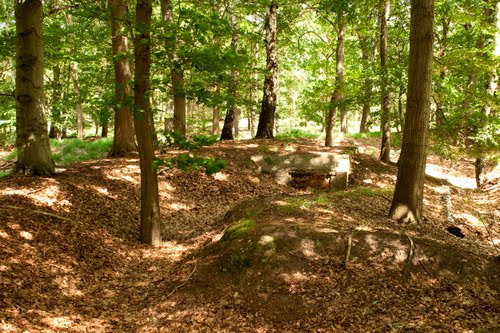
pixel 238 229
pixel 242 258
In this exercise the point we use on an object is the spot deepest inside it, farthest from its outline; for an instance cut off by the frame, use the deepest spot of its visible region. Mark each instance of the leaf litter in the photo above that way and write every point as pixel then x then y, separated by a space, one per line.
pixel 70 260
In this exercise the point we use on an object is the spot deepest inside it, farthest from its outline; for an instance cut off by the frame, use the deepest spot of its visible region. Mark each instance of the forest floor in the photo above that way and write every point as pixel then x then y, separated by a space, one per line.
pixel 244 254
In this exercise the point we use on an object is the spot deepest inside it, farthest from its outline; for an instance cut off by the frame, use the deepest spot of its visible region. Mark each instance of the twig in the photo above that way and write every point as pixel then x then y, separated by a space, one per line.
pixel 36 212
pixel 425 268
pixel 409 260
pixel 183 283
pixel 348 252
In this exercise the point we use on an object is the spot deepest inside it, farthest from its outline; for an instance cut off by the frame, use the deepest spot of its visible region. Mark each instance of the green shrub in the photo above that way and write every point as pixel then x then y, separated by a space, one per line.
pixel 192 162
pixel 292 134
pixel 175 139
pixel 74 151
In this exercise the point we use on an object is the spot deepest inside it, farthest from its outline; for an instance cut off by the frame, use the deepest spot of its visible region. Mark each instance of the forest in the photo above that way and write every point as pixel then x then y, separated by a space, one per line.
pixel 249 166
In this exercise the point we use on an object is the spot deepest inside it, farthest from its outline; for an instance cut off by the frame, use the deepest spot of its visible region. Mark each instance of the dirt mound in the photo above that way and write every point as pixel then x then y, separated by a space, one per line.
pixel 280 264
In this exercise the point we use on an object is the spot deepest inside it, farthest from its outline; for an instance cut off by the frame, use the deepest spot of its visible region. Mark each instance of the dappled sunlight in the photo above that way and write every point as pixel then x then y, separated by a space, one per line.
pixel 307 247
pixel 437 171
pixel 470 219
pixel 220 176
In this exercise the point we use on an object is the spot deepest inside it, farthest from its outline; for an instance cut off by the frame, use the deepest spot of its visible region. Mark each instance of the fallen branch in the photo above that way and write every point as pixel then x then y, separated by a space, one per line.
pixel 409 260
pixel 36 212
pixel 348 251
pixel 183 283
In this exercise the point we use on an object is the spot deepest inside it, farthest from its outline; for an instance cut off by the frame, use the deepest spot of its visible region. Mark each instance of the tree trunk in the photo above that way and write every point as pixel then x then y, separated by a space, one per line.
pixel 491 85
pixel 55 131
pixel 176 72
pixel 105 127
pixel 440 117
pixel 150 208
pixel 368 58
pixel 216 111
pixel 124 140
pixel 76 89
pixel 338 93
pixel 408 195
pixel 385 118
pixel 32 141
pixel 266 119
pixel 232 116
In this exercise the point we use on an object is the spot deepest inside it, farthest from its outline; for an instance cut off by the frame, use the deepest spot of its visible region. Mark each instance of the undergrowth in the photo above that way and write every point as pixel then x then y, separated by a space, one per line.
pixel 292 134
pixel 68 151
pixel 73 151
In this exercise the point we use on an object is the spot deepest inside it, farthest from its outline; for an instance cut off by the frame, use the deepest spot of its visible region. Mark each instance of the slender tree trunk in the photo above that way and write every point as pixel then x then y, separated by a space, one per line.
pixel 408 195
pixel 12 68
pixel 32 141
pixel 400 106
pixel 338 93
pixel 492 18
pixel 176 72
pixel 440 117
pixel 368 59
pixel 150 208
pixel 124 140
pixel 266 119
pixel 55 131
pixel 105 127
pixel 76 88
pixel 232 115
pixel 216 111
pixel 385 118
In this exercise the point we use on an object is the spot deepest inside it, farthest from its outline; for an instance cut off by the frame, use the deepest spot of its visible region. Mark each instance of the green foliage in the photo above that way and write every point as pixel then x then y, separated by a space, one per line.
pixel 292 134
pixel 187 162
pixel 238 229
pixel 4 174
pixel 175 139
pixel 74 151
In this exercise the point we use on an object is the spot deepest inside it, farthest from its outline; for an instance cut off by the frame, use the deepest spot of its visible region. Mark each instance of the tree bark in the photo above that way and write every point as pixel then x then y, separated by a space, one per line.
pixel 55 131
pixel 76 88
pixel 124 140
pixel 268 110
pixel 232 116
pixel 385 117
pixel 216 111
pixel 440 116
pixel 176 72
pixel 338 93
pixel 408 195
pixel 150 208
pixel 32 141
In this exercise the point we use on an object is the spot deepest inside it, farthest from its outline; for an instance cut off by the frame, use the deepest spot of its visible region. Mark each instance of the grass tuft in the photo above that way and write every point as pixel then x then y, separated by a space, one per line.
pixel 292 134
pixel 74 151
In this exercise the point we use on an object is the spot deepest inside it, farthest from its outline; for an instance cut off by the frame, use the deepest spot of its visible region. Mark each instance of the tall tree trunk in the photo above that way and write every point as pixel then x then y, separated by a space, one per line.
pixel 216 111
pixel 338 93
pixel 32 141
pixel 124 140
pixel 369 58
pixel 232 116
pixel 150 208
pixel 408 195
pixel 385 118
pixel 176 72
pixel 440 117
pixel 266 119
pixel 493 18
pixel 76 88
pixel 55 131
pixel 12 68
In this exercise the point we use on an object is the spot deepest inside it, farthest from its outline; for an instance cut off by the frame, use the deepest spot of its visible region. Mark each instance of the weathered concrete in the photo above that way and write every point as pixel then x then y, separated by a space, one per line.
pixel 318 169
